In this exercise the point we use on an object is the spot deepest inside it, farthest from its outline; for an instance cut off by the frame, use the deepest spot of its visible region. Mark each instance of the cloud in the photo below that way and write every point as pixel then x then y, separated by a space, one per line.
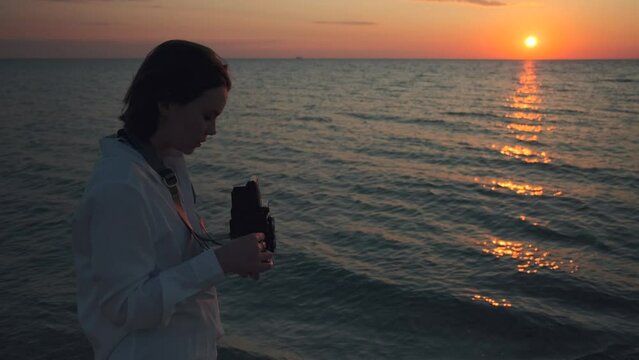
pixel 474 2
pixel 352 23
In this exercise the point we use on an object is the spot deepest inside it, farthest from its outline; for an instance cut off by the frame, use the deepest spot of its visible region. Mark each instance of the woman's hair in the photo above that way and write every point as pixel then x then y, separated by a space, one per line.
pixel 176 71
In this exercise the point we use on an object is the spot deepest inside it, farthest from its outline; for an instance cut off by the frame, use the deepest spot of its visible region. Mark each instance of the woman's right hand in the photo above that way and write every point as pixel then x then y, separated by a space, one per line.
pixel 245 256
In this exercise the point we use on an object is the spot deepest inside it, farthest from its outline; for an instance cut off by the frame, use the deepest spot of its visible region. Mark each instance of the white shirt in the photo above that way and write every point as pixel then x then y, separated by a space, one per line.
pixel 145 288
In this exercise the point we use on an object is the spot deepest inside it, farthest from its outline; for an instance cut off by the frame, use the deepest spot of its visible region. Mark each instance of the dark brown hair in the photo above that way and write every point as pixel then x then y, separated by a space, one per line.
pixel 176 71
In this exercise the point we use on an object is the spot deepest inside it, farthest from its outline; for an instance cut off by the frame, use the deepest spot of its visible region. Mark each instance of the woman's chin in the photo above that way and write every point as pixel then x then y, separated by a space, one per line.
pixel 190 150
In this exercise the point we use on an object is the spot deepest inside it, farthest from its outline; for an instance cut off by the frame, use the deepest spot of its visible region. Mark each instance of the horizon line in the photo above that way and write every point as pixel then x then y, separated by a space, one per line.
pixel 301 58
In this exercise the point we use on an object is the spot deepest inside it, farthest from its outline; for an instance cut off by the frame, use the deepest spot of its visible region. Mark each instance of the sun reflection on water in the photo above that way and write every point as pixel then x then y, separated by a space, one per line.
pixel 531 221
pixel 524 154
pixel 528 79
pixel 524 121
pixel 526 95
pixel 491 301
pixel 530 259
pixel 525 128
pixel 519 188
pixel 527 105
pixel 525 116
pixel 528 138
pixel 524 102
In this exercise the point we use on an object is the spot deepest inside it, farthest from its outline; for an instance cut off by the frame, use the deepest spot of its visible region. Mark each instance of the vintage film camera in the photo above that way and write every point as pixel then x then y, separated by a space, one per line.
pixel 249 216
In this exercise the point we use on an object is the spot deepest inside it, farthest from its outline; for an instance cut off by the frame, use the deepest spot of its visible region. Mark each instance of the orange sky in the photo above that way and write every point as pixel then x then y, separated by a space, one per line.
pixel 493 29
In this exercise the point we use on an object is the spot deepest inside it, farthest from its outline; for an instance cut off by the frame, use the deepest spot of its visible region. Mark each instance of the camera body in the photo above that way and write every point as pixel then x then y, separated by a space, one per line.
pixel 249 216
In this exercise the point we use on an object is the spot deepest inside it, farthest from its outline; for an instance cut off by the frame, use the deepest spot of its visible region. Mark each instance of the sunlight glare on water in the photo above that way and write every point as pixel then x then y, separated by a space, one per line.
pixel 424 208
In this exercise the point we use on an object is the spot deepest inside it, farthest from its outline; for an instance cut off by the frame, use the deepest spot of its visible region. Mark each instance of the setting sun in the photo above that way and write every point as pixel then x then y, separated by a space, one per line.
pixel 531 41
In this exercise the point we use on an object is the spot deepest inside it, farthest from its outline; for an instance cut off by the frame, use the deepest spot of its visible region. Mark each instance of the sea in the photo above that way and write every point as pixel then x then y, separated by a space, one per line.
pixel 425 209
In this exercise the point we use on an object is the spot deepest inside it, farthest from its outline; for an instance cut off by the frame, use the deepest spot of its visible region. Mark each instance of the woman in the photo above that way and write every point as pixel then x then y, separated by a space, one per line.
pixel 146 285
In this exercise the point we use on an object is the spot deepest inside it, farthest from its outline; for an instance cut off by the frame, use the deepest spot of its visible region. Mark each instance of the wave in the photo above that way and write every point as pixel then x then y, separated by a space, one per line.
pixel 428 303
pixel 621 80
pixel 473 114
pixel 316 118
pixel 564 111
pixel 614 351
pixel 622 111
pixel 609 176
pixel 394 118
pixel 382 224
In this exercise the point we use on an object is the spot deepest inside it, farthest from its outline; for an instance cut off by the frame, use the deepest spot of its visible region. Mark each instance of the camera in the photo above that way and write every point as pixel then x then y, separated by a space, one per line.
pixel 248 215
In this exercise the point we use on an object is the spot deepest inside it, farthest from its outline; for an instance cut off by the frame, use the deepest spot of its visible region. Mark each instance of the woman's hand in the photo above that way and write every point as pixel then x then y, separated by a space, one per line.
pixel 245 256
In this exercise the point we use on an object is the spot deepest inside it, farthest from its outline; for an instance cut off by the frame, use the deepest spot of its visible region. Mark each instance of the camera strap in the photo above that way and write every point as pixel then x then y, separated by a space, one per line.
pixel 170 180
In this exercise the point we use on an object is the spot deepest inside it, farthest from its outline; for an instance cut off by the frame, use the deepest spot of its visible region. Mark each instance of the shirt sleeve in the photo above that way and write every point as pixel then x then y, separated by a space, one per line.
pixel 132 294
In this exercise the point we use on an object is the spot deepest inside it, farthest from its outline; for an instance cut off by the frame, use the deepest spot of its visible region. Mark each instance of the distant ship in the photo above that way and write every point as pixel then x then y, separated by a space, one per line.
pixel 299 58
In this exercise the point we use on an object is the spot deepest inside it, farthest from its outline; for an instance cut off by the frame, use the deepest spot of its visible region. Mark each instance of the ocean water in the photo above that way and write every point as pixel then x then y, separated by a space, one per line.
pixel 425 209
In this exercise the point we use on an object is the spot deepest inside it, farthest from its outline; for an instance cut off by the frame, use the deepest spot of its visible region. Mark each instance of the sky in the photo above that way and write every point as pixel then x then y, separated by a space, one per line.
pixel 452 29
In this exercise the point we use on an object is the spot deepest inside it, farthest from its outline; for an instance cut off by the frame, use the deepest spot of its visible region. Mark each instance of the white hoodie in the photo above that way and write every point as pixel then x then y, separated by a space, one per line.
pixel 145 287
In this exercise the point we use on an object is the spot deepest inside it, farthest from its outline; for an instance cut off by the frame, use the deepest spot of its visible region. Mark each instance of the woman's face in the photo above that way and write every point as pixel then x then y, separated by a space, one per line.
pixel 185 127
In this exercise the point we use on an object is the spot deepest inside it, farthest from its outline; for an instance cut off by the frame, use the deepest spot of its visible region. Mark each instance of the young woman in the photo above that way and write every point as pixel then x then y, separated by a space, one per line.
pixel 146 280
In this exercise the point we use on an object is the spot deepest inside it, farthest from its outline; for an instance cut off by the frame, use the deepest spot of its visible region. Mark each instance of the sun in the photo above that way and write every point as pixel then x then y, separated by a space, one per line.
pixel 531 41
